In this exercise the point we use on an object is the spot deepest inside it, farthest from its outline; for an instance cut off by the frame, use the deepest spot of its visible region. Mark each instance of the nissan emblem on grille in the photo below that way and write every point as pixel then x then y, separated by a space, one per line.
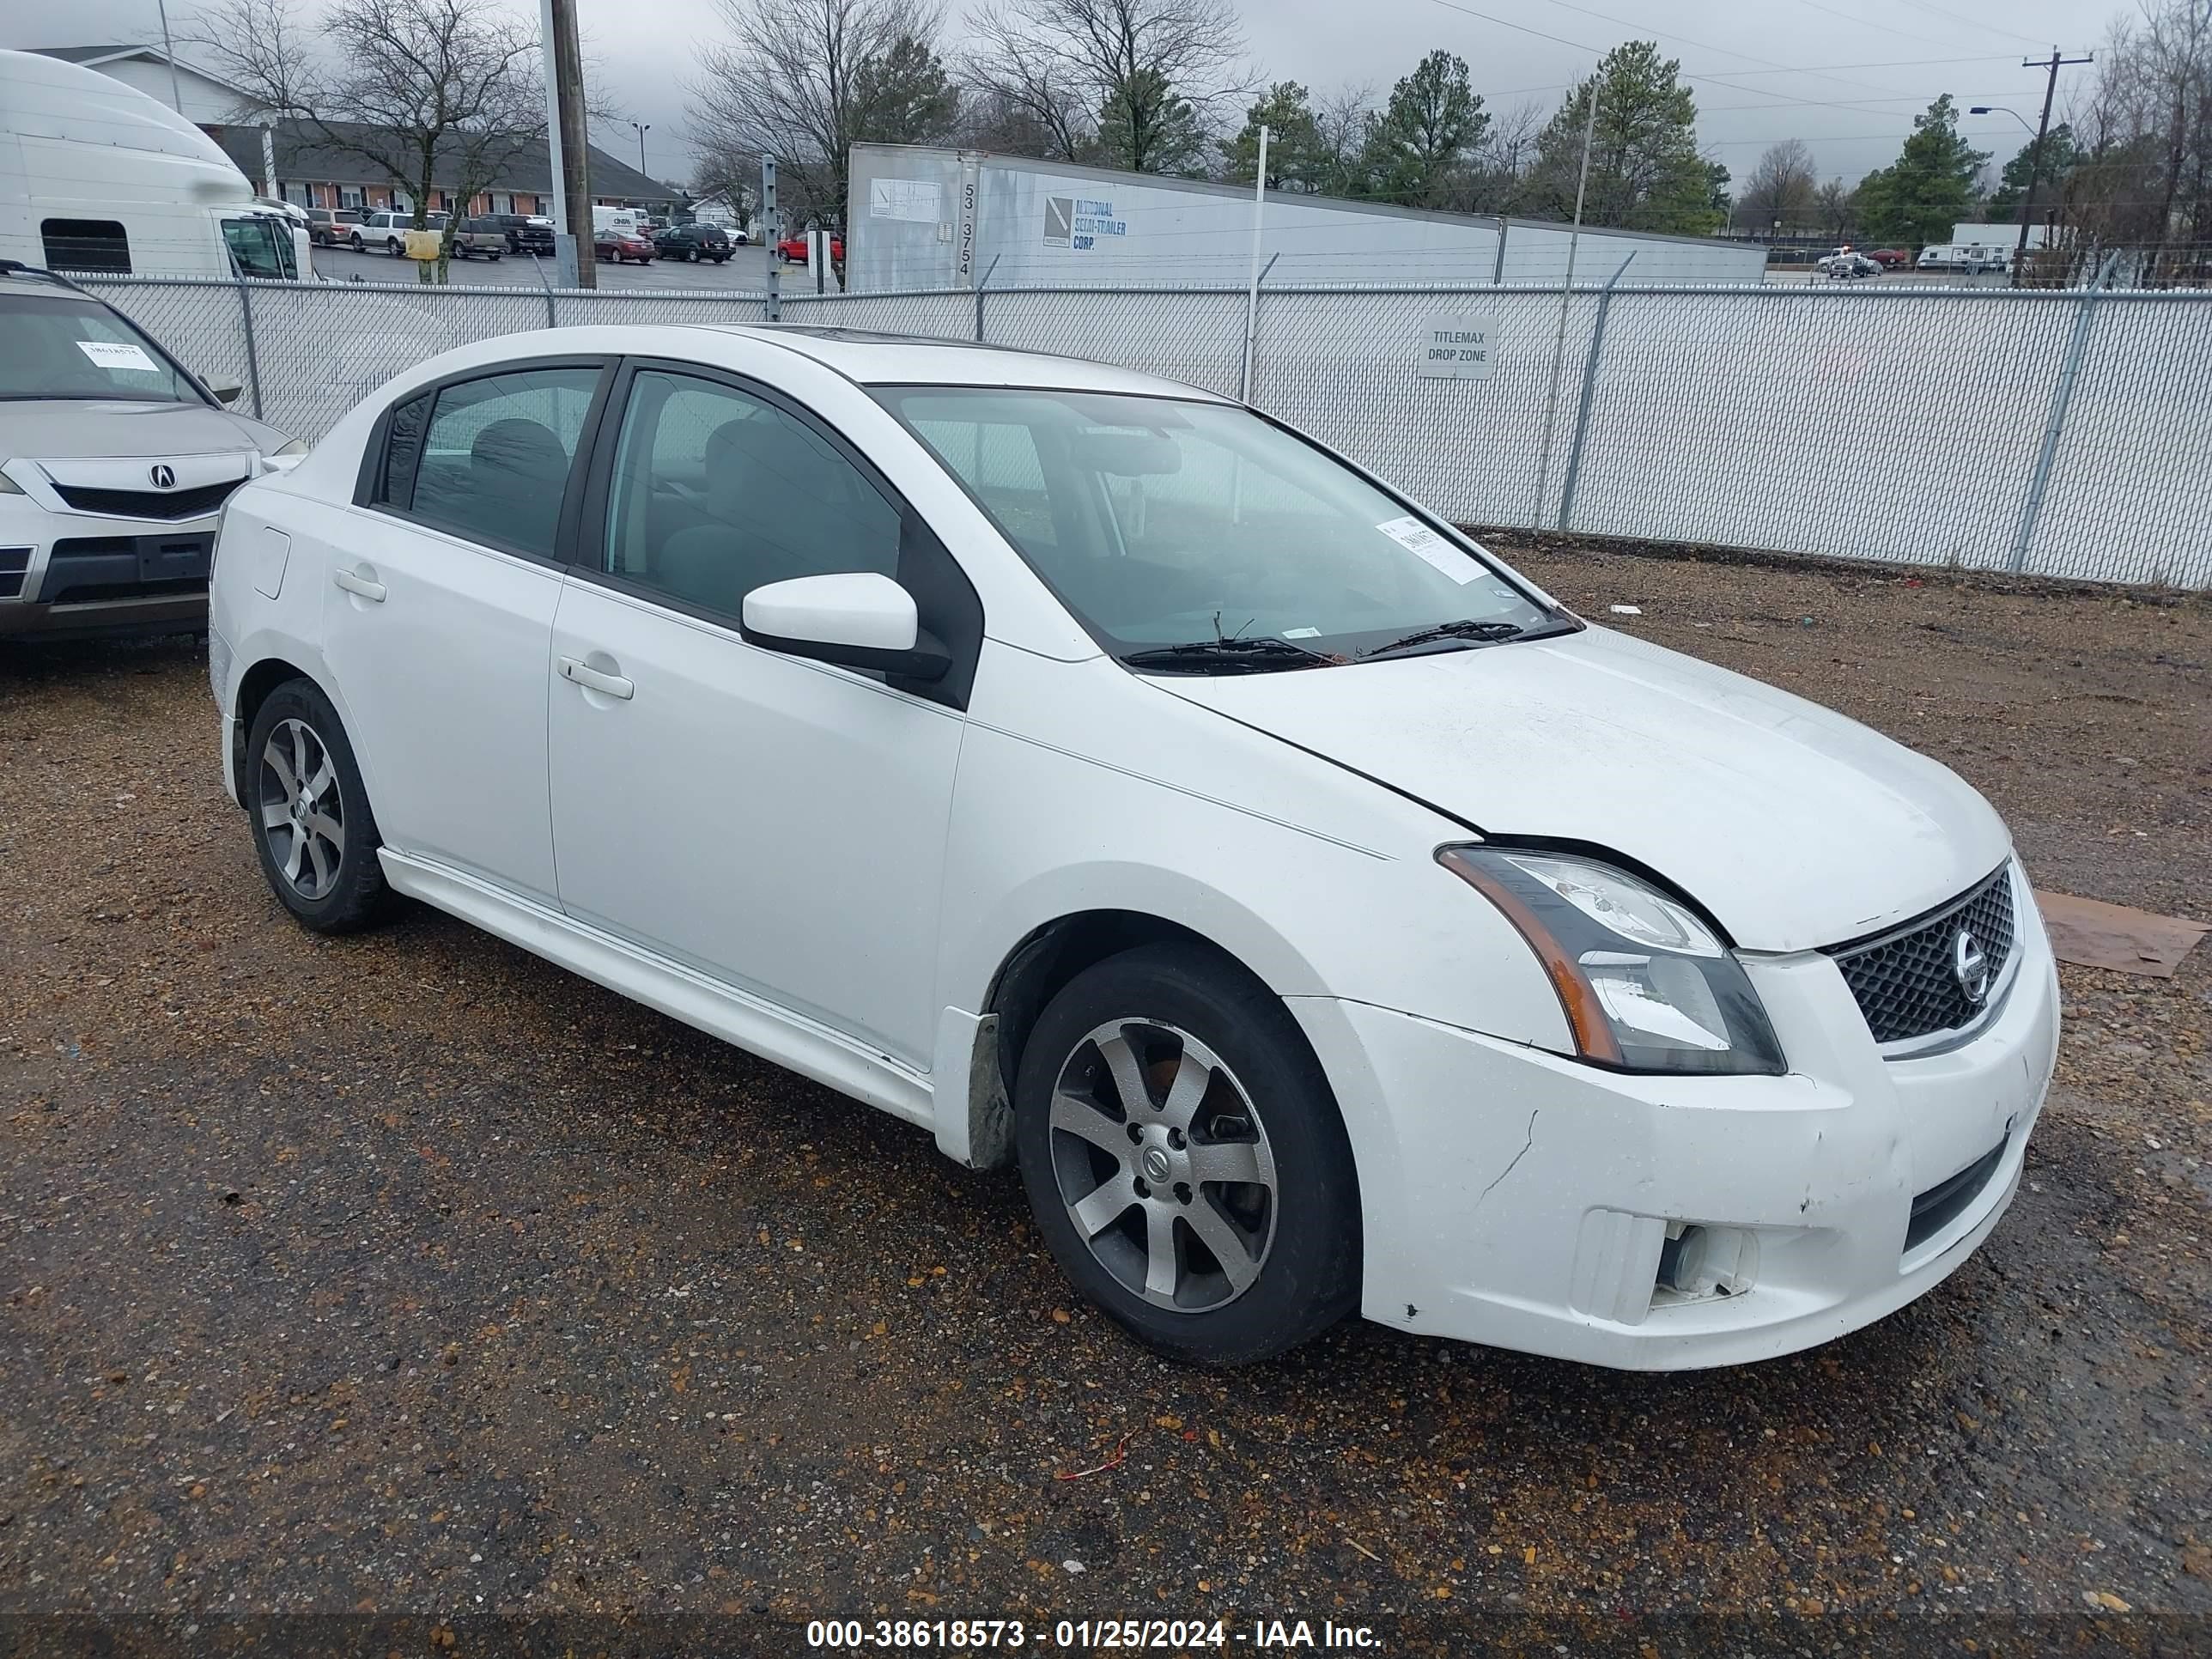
pixel 1939 973
pixel 1970 967
pixel 164 476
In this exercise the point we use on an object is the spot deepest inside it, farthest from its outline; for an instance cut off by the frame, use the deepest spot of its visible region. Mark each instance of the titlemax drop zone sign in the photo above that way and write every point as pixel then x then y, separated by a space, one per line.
pixel 1456 348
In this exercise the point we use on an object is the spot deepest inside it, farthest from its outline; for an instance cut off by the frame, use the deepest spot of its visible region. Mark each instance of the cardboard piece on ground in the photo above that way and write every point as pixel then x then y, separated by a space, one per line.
pixel 2093 935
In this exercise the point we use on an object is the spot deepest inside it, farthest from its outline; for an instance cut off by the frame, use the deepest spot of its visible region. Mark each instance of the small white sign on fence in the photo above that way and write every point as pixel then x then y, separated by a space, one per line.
pixel 1456 348
pixel 916 199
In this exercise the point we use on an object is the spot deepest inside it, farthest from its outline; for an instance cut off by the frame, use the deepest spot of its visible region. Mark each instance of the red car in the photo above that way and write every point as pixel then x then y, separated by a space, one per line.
pixel 793 249
pixel 1889 259
pixel 621 247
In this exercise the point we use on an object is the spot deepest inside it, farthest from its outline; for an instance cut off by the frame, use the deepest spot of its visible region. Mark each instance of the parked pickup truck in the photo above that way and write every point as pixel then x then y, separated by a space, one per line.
pixel 486 236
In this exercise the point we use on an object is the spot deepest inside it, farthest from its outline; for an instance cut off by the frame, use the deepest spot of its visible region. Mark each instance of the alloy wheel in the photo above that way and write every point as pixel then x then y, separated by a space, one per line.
pixel 302 814
pixel 1164 1164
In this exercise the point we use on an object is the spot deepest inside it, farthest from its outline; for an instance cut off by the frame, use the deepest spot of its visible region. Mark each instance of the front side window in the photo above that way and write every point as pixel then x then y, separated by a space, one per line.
pixel 1163 523
pixel 55 347
pixel 496 455
pixel 716 492
pixel 260 247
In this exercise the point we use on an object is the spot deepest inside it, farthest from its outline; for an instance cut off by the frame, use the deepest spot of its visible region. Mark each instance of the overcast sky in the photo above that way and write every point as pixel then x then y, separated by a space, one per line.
pixel 1889 58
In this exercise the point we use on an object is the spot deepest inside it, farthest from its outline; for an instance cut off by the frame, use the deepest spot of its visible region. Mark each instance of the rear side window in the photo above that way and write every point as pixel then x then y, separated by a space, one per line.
pixel 85 245
pixel 495 454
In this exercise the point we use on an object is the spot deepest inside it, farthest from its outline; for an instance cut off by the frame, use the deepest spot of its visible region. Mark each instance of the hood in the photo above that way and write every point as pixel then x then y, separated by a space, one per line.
pixel 1794 826
pixel 63 428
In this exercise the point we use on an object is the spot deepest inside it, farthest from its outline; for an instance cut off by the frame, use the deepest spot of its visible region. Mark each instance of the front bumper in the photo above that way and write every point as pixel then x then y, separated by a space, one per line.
pixel 66 574
pixel 1516 1198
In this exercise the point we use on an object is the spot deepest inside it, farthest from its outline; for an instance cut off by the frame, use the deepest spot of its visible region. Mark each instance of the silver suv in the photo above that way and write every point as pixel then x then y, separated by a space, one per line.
pixel 115 462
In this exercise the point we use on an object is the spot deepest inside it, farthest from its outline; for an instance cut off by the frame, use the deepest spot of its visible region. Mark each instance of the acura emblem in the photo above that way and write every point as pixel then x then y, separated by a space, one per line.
pixel 1970 967
pixel 164 476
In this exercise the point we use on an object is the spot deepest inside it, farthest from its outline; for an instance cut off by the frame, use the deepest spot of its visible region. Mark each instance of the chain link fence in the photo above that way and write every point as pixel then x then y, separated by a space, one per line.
pixel 2057 433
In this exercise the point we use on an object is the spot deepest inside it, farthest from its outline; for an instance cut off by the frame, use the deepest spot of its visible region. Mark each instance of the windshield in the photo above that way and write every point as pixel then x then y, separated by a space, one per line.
pixel 53 348
pixel 1160 522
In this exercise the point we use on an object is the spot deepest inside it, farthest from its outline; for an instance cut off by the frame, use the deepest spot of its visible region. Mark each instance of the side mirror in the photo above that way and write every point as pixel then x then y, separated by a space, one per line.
pixel 858 618
pixel 227 392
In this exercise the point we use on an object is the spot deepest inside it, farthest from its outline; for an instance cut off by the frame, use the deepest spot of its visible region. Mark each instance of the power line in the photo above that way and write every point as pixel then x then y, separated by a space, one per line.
pixel 1994 28
pixel 1707 46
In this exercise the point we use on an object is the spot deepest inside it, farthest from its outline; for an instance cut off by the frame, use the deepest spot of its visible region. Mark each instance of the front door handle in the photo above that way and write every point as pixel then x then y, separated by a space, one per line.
pixel 360 586
pixel 612 685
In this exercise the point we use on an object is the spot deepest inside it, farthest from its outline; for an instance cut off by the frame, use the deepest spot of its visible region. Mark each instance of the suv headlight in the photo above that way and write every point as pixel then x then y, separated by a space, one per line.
pixel 1645 984
pixel 9 486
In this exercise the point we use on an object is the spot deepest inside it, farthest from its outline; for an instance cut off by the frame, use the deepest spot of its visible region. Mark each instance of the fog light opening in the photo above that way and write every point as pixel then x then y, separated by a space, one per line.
pixel 1682 1259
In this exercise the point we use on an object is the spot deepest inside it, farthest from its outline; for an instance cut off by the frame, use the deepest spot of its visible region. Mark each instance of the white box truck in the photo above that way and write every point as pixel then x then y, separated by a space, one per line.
pixel 96 176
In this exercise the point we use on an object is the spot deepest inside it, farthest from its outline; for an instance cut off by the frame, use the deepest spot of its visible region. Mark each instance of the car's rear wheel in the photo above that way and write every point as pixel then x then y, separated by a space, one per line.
pixel 1184 1157
pixel 312 826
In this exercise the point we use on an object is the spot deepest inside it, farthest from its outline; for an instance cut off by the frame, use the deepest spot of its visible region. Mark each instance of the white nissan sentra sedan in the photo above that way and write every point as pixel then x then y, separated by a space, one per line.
pixel 1103 777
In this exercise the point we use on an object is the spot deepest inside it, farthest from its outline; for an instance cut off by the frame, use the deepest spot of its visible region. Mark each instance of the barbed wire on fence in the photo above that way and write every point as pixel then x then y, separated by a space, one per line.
pixel 2060 432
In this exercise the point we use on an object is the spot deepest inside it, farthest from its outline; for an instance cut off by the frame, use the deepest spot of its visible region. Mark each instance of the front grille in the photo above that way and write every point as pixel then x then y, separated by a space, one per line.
pixel 1907 983
pixel 195 503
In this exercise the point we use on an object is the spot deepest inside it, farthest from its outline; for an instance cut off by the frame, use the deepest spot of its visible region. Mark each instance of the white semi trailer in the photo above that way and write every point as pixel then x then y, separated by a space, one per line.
pixel 928 218
pixel 96 176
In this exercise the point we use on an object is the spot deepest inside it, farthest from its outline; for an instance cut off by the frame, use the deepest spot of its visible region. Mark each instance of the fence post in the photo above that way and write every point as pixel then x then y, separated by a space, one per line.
pixel 1589 386
pixel 2056 424
pixel 1250 375
pixel 1497 272
pixel 552 316
pixel 252 356
pixel 980 286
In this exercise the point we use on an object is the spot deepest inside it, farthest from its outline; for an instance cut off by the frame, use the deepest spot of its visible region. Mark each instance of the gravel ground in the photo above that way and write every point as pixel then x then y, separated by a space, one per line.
pixel 406 1275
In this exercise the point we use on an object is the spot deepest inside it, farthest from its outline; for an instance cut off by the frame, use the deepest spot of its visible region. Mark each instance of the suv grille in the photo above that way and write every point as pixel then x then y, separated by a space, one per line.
pixel 1906 984
pixel 150 503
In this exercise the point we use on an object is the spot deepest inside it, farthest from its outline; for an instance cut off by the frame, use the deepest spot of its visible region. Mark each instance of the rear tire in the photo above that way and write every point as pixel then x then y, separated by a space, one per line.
pixel 315 834
pixel 1185 1159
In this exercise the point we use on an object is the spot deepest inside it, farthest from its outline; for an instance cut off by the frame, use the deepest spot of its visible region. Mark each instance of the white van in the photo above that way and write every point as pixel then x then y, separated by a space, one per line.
pixel 617 218
pixel 96 176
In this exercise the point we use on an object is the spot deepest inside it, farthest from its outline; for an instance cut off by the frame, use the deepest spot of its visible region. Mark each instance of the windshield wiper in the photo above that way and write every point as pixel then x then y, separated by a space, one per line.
pixel 1258 655
pixel 1493 631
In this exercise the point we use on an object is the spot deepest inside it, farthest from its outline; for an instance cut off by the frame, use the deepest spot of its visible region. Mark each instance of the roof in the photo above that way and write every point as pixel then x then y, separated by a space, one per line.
pixel 873 359
pixel 303 156
pixel 93 56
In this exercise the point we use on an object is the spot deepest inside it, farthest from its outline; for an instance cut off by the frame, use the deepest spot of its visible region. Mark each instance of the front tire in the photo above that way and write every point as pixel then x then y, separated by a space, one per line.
pixel 313 827
pixel 1184 1157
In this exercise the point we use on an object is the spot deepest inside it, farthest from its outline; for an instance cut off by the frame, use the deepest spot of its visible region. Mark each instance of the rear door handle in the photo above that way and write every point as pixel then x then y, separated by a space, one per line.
pixel 372 591
pixel 612 685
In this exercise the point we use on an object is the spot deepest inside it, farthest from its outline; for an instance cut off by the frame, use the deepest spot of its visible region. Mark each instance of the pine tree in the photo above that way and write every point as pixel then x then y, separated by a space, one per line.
pixel 1930 185
pixel 1416 146
pixel 1645 172
pixel 2060 156
pixel 1295 157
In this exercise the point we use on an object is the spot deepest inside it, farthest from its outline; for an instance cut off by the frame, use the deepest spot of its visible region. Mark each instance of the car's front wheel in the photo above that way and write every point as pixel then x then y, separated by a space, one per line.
pixel 1184 1157
pixel 313 827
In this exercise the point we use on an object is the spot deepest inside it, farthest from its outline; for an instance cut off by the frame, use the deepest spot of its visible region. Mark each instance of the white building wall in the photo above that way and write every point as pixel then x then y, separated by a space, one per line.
pixel 1037 224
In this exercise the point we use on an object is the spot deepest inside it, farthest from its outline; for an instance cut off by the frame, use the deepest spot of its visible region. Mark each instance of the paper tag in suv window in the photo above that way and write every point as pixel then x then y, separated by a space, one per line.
pixel 110 354
pixel 1416 537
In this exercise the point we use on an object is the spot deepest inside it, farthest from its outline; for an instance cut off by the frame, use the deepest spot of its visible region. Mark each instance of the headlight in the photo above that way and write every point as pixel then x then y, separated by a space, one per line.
pixel 9 486
pixel 1645 985
pixel 284 459
pixel 297 447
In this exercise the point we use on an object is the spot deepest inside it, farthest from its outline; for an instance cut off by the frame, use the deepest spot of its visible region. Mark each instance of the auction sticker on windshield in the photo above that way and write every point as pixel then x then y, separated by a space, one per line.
pixel 109 354
pixel 1416 537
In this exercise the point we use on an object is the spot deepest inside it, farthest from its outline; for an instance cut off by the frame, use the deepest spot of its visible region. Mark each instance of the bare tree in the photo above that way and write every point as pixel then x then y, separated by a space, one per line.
pixel 1340 122
pixel 804 80
pixel 430 94
pixel 1028 99
pixel 1782 186
pixel 1835 210
pixel 2142 170
pixel 1137 83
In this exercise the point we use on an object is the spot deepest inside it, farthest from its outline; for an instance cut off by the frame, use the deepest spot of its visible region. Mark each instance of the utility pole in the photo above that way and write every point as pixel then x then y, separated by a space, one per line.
pixel 2053 64
pixel 642 129
pixel 569 144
